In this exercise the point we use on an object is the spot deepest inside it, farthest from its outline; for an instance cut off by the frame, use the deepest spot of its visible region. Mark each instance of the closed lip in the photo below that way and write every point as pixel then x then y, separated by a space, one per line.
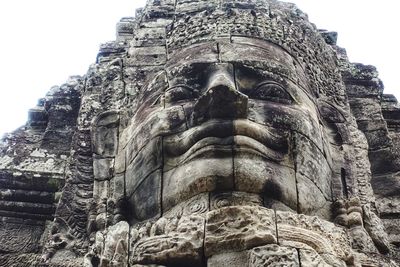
pixel 221 136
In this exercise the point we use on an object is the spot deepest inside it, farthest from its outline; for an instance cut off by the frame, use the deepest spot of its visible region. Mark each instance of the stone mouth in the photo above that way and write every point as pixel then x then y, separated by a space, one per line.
pixel 220 138
pixel 229 146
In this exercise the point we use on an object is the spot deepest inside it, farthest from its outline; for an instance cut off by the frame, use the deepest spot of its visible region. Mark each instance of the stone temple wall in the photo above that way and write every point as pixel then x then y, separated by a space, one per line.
pixel 304 168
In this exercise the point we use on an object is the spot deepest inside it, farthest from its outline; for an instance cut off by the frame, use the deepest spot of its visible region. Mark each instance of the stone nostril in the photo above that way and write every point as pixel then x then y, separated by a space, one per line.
pixel 220 102
pixel 221 80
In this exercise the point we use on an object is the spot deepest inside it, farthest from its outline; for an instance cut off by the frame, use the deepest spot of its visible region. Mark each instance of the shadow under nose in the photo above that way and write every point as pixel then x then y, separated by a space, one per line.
pixel 220 102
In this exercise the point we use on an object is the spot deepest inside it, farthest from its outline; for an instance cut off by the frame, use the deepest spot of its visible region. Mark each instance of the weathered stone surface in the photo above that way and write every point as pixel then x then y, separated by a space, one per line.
pixel 111 246
pixel 13 230
pixel 150 190
pixel 300 231
pixel 186 181
pixel 274 255
pixel 173 239
pixel 238 228
pixel 229 259
pixel 209 133
pixel 226 199
pixel 312 258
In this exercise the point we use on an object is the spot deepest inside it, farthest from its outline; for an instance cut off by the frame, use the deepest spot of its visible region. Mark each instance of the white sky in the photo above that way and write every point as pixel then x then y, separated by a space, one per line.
pixel 43 42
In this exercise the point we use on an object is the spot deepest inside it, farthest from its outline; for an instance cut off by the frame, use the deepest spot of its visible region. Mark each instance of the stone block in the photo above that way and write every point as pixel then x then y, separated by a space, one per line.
pixel 187 7
pixel 103 169
pixel 197 176
pixel 366 109
pixel 145 37
pixel 150 190
pixel 392 227
pixel 120 161
pixel 311 163
pixel 105 134
pixel 226 199
pixel 383 161
pixel 286 119
pixel 125 29
pixel 135 78
pixel 118 186
pixel 177 238
pixel 274 255
pixel 311 200
pixel 238 228
pixel 60 139
pixel 313 259
pixel 310 232
pixel 229 259
pixel 197 205
pixel 147 56
pixel 37 117
pixel 199 53
pixel 145 162
pixel 387 185
pixel 378 139
pixel 256 174
pixel 20 237
pixel 157 22
pixel 363 91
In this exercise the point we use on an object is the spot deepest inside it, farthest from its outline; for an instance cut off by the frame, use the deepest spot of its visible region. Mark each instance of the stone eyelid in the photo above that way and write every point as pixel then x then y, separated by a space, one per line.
pixel 274 92
pixel 194 93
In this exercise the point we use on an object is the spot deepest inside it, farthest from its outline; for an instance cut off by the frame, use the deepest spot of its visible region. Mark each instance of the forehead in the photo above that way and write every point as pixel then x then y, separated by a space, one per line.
pixel 257 53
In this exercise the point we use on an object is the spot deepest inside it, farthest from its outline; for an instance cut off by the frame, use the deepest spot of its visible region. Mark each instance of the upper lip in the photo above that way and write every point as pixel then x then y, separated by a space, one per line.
pixel 243 134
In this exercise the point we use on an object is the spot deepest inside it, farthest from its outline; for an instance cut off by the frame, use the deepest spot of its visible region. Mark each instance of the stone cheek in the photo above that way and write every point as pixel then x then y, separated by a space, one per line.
pixel 312 164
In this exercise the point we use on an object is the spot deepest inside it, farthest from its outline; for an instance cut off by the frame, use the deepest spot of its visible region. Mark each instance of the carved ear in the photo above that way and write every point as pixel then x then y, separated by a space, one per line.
pixel 330 113
pixel 105 134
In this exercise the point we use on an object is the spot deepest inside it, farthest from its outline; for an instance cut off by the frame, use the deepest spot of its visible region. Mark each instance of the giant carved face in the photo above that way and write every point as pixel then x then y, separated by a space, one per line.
pixel 234 118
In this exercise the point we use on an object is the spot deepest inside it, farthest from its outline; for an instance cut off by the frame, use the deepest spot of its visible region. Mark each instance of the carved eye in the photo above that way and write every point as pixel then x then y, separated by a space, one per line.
pixel 272 92
pixel 178 93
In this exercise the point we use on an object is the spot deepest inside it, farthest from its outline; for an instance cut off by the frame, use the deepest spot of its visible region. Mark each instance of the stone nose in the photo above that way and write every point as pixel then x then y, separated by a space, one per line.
pixel 221 100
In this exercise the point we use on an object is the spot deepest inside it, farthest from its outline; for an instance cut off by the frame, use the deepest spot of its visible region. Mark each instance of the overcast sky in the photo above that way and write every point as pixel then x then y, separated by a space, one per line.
pixel 45 41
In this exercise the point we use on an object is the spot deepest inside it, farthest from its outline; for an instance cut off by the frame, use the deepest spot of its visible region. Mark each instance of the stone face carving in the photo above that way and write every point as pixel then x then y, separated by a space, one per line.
pixel 210 133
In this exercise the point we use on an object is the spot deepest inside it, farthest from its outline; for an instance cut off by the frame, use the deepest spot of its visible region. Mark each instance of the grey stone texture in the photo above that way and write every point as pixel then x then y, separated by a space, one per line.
pixel 209 133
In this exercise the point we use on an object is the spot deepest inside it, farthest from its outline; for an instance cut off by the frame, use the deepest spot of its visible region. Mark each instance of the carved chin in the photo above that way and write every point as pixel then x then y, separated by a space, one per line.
pixel 230 168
